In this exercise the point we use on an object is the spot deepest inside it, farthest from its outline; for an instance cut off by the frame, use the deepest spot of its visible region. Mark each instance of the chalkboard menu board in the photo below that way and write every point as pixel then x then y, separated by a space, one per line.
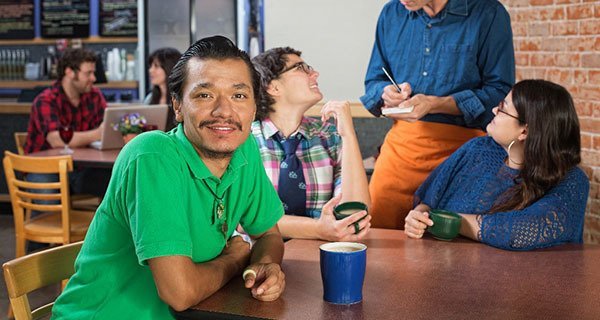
pixel 118 18
pixel 16 19
pixel 65 18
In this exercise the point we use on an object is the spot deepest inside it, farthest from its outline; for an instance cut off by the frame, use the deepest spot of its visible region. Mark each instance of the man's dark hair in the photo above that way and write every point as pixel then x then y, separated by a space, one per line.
pixel 217 48
pixel 269 65
pixel 73 58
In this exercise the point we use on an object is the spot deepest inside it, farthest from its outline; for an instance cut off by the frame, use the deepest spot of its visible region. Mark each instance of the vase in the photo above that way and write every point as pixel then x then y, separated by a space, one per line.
pixel 128 137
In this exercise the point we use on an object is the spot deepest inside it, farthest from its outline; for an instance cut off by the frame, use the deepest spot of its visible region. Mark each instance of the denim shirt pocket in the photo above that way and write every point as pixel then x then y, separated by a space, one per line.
pixel 458 65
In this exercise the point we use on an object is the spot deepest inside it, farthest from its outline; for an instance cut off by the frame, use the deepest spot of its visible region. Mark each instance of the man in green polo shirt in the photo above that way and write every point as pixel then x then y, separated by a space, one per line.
pixel 162 235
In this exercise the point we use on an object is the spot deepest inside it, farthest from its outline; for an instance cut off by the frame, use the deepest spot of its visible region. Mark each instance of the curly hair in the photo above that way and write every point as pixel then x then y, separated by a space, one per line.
pixel 73 58
pixel 269 65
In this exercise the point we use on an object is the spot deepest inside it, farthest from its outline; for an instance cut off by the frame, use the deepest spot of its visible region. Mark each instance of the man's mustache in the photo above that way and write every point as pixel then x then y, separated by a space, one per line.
pixel 206 123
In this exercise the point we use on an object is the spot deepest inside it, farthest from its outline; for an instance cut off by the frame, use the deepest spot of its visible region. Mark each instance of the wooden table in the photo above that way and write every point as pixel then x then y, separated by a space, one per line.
pixel 86 157
pixel 429 279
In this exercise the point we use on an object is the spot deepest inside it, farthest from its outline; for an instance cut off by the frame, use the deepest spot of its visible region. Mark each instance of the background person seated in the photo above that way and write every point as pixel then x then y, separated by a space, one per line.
pixel 327 157
pixel 520 187
pixel 160 64
pixel 71 101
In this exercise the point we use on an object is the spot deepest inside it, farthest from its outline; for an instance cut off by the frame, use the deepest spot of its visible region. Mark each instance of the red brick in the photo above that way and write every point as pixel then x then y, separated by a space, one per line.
pixel 590 158
pixel 561 77
pixel 590 27
pixel 589 172
pixel 515 3
pixel 591 238
pixel 581 43
pixel 594 190
pixel 550 14
pixel 595 176
pixel 594 76
pixel 523 15
pixel 567 60
pixel 519 29
pixel 580 12
pixel 565 28
pixel 595 210
pixel 583 108
pixel 586 141
pixel 596 45
pixel 592 223
pixel 528 45
pixel 590 60
pixel 595 106
pixel 596 143
pixel 588 92
pixel 573 90
pixel 567 1
pixel 521 59
pixel 538 29
pixel 590 125
pixel 555 44
pixel 542 60
pixel 597 10
pixel 540 2
pixel 580 76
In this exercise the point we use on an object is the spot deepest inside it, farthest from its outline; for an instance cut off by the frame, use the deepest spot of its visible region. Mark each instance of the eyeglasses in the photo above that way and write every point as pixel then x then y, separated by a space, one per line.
pixel 299 66
pixel 501 110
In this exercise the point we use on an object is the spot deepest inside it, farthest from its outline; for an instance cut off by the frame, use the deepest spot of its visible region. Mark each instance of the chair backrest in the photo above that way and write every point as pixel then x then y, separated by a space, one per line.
pixel 22 198
pixel 20 139
pixel 31 272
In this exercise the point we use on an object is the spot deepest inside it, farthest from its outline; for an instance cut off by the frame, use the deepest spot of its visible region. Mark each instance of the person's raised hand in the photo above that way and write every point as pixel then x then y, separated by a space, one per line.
pixel 342 230
pixel 392 98
pixel 340 111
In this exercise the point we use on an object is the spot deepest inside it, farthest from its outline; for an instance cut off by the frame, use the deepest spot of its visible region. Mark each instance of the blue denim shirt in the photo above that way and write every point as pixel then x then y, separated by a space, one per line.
pixel 465 51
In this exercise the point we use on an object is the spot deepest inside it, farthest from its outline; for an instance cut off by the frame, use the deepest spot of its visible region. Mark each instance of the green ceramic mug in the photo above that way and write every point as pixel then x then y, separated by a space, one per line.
pixel 446 224
pixel 345 209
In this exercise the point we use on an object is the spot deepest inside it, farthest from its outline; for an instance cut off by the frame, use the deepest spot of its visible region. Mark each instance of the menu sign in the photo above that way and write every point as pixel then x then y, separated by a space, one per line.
pixel 118 18
pixel 65 18
pixel 16 19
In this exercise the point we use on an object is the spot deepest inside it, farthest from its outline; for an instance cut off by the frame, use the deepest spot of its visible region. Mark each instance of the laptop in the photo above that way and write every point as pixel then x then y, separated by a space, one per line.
pixel 155 114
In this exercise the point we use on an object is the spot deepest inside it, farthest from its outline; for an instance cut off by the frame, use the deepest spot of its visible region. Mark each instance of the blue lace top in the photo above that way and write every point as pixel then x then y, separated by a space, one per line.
pixel 473 177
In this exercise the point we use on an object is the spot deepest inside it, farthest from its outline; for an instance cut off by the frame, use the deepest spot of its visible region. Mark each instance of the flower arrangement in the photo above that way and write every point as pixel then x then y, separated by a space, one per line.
pixel 130 123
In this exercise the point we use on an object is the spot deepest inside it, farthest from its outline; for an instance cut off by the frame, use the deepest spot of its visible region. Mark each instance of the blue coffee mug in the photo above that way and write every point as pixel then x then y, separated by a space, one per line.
pixel 343 267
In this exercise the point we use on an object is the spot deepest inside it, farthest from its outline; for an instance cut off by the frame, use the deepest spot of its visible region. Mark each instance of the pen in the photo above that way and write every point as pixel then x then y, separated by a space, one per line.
pixel 391 79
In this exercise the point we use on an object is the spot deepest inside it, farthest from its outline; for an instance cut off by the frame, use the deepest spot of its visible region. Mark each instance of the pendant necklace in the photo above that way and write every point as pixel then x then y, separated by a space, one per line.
pixel 219 210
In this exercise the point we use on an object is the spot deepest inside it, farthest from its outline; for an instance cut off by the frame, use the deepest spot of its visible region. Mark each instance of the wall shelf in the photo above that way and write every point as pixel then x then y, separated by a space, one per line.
pixel 90 40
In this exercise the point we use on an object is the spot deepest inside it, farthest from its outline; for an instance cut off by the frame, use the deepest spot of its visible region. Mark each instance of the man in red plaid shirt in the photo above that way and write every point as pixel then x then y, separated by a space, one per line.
pixel 71 101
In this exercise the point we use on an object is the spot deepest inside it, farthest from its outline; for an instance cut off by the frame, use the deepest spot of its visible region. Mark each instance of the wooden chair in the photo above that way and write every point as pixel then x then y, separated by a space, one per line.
pixel 20 139
pixel 31 272
pixel 78 201
pixel 59 223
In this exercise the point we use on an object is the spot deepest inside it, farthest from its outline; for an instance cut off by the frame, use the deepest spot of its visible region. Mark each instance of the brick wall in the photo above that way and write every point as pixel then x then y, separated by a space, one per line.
pixel 559 40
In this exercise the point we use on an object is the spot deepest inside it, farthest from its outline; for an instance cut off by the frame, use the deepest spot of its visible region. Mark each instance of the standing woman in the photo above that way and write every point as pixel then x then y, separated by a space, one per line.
pixel 327 157
pixel 161 62
pixel 520 187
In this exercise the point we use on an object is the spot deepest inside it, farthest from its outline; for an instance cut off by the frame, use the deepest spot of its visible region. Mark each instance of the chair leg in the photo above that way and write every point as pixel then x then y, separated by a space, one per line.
pixel 20 249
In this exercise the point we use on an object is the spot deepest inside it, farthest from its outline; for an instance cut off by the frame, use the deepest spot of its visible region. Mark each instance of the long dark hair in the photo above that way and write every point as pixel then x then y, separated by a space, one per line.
pixel 552 147
pixel 166 58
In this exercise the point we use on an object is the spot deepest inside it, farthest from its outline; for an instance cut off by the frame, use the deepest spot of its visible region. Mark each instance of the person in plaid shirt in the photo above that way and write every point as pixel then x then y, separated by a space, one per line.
pixel 72 100
pixel 288 89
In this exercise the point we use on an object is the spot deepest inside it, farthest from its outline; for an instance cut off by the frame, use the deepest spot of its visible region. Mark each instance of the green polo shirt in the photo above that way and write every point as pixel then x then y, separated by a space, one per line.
pixel 162 201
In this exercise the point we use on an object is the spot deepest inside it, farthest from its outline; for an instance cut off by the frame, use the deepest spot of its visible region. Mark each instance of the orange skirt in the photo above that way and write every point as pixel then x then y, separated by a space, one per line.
pixel 409 153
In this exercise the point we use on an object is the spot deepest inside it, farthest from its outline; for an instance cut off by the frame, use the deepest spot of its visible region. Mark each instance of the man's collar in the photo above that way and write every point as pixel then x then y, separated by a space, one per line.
pixel 456 7
pixel 269 129
pixel 195 162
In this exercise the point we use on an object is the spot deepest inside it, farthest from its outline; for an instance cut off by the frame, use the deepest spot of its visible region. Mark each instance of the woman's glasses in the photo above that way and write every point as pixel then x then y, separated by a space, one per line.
pixel 299 66
pixel 501 110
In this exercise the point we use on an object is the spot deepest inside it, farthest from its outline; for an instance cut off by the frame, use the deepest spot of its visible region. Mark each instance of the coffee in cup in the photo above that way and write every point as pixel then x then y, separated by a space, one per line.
pixel 346 209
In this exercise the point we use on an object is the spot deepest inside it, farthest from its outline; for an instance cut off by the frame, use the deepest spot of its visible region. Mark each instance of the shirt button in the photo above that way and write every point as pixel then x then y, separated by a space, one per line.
pixel 426 49
pixel 425 73
pixel 429 25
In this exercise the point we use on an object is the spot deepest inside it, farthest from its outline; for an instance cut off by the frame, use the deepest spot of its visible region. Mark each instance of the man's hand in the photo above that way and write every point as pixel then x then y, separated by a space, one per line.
pixel 266 281
pixel 392 98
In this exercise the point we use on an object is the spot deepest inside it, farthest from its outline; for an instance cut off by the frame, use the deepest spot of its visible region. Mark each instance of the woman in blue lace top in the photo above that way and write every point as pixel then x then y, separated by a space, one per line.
pixel 520 187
